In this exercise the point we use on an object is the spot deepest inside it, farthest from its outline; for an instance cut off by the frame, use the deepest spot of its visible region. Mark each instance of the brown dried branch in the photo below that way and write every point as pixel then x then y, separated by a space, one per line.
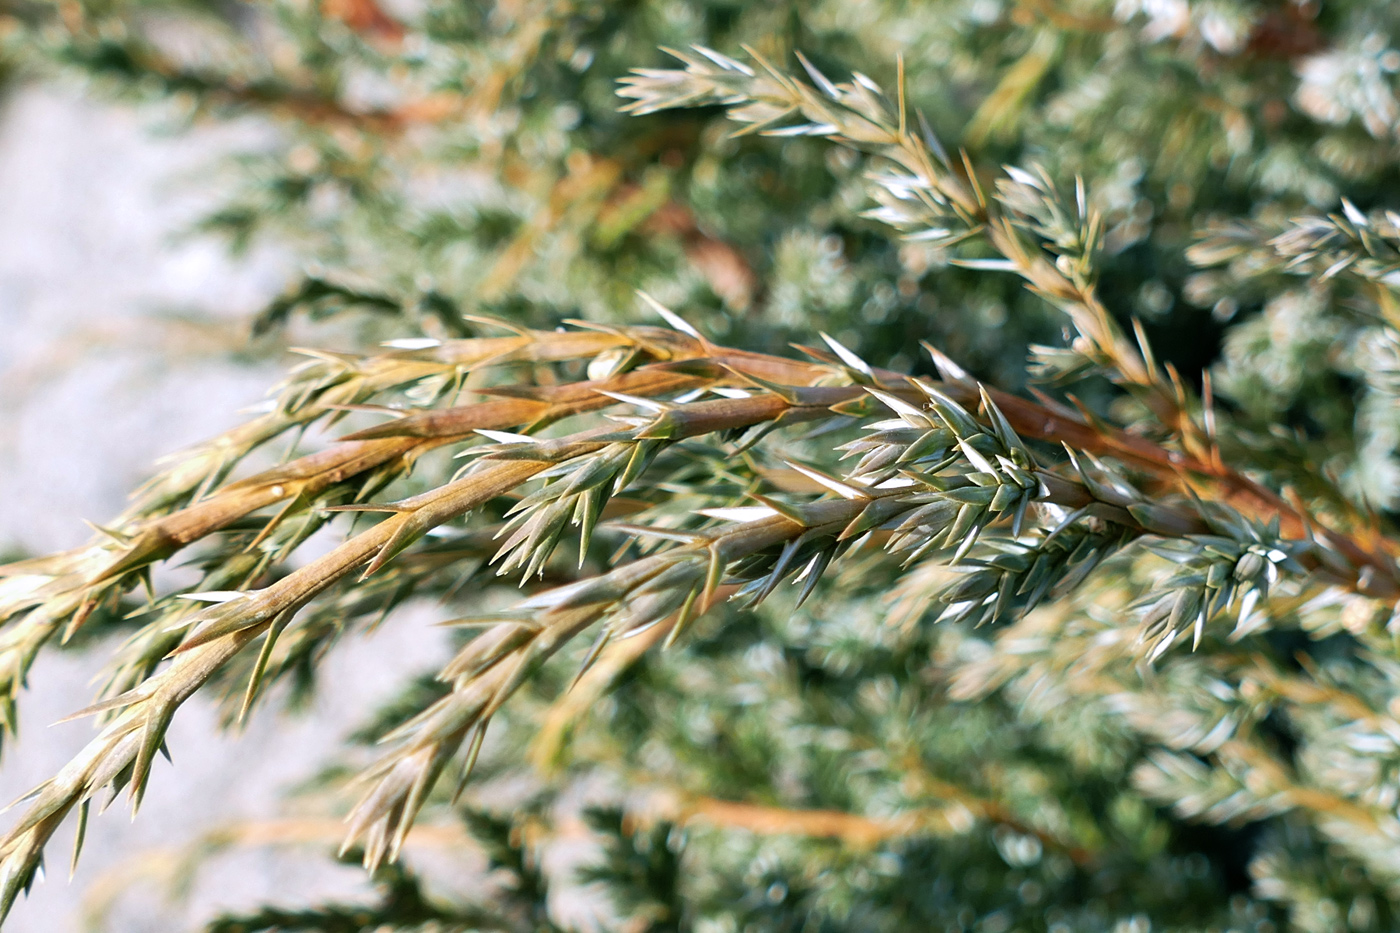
pixel 994 477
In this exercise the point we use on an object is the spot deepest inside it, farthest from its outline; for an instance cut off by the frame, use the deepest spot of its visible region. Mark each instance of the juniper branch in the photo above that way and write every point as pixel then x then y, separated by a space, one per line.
pixel 934 481
pixel 929 198
pixel 978 473
pixel 1350 244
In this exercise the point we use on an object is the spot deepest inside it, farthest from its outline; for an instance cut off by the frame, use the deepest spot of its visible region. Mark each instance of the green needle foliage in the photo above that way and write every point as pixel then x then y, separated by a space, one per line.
pixel 985 519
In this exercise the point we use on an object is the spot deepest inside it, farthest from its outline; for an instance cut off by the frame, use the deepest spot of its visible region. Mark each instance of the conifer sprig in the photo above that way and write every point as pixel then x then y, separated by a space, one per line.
pixel 1321 247
pixel 940 481
pixel 930 198
pixel 188 502
pixel 58 592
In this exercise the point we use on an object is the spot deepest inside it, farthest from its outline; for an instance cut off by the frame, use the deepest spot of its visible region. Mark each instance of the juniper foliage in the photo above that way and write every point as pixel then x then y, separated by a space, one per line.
pixel 1081 616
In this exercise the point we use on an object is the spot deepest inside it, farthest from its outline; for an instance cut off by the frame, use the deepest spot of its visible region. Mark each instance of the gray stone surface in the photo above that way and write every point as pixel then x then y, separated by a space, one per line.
pixel 114 339
pixel 113 332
